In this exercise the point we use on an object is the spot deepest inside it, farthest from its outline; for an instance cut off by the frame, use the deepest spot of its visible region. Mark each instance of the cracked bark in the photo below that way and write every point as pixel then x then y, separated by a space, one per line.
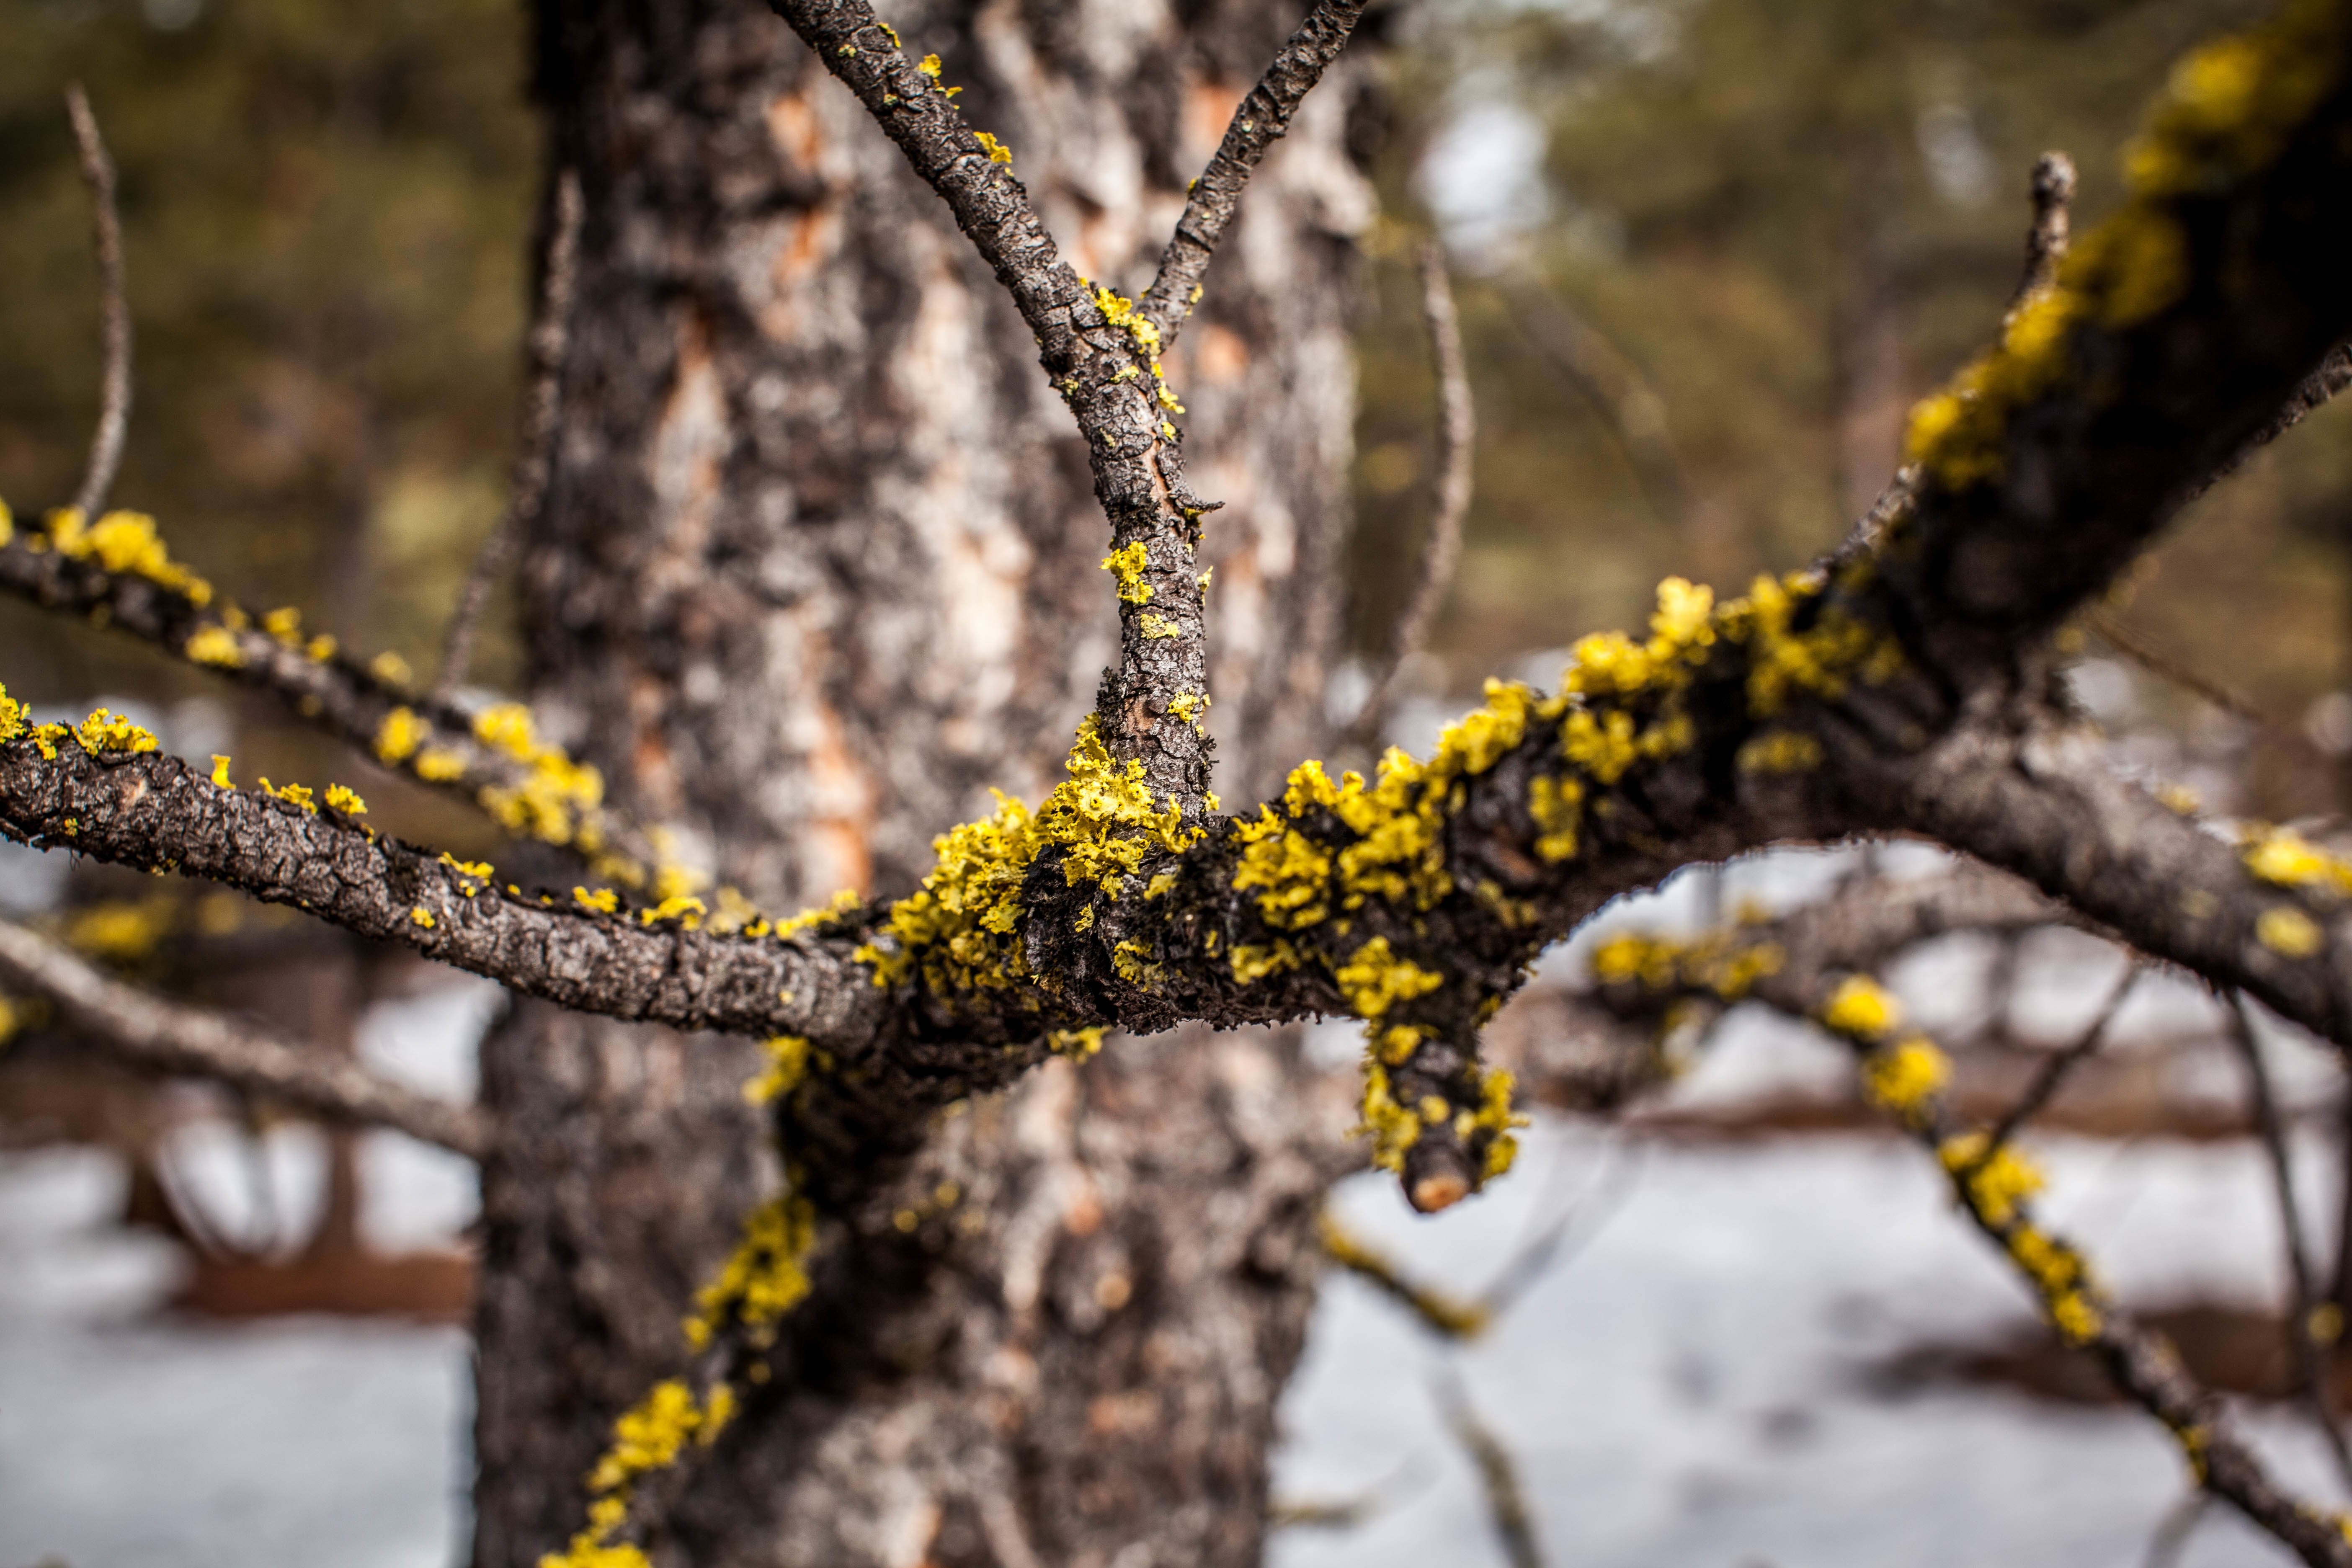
pixel 818 568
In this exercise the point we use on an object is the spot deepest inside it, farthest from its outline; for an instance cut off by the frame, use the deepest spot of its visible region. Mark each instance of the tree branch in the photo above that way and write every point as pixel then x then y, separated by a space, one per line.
pixel 119 575
pixel 2046 240
pixel 1260 121
pixel 2303 1288
pixel 106 225
pixel 149 1032
pixel 1791 965
pixel 1101 353
pixel 549 333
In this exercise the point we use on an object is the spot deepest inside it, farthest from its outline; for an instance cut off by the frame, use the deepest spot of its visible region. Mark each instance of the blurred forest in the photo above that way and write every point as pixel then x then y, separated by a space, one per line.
pixel 1708 251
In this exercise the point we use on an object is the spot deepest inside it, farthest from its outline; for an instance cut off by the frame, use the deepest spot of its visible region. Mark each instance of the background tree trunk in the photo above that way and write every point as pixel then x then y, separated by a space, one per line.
pixel 818 568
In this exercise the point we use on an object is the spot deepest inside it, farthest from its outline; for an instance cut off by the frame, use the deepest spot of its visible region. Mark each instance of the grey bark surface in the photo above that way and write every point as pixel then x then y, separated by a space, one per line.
pixel 817 569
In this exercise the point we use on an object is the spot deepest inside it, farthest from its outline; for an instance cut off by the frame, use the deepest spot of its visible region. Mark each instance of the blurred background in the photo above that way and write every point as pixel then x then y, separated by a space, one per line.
pixel 1706 253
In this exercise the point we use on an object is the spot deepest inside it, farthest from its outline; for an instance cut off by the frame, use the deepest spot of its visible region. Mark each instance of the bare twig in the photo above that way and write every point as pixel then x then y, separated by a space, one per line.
pixel 2045 242
pixel 106 226
pixel 549 334
pixel 1602 374
pixel 1445 1315
pixel 2054 1071
pixel 2173 1530
pixel 146 1031
pixel 2136 649
pixel 1260 121
pixel 1457 430
pixel 1549 1249
pixel 2310 1354
pixel 1498 1474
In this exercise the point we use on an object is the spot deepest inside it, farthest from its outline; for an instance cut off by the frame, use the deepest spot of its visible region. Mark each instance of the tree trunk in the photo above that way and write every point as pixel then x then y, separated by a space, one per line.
pixel 819 567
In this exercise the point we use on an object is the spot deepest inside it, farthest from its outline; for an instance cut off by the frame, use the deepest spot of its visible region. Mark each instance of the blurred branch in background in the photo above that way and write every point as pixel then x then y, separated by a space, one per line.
pixel 1605 377
pixel 2312 1328
pixel 1498 1471
pixel 160 1036
pixel 1457 439
pixel 549 334
pixel 106 225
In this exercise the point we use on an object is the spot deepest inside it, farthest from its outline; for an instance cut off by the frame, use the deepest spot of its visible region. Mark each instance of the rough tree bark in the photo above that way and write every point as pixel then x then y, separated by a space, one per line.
pixel 818 568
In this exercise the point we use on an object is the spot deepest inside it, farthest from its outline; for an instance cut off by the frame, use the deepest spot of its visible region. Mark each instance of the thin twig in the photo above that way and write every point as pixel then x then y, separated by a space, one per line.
pixel 1257 123
pixel 1498 1474
pixel 2173 1530
pixel 2310 1356
pixel 146 1031
pixel 1605 377
pixel 106 227
pixel 2054 1071
pixel 1549 1251
pixel 2164 668
pixel 549 336
pixel 1457 433
pixel 1442 1314
pixel 2045 241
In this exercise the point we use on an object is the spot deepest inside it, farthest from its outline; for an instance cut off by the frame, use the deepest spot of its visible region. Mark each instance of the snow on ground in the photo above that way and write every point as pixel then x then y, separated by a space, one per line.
pixel 1689 1385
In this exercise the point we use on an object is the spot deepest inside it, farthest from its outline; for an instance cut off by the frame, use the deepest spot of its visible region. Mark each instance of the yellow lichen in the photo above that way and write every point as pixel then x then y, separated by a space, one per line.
pixel 788 1057
pixel 1861 1008
pixel 1076 1044
pixel 1157 627
pixel 126 542
pixel 1374 979
pixel 1904 1077
pixel 2285 859
pixel 1557 806
pixel 216 646
pixel 1126 567
pixel 346 801
pixel 220 772
pixel 998 152
pixel 397 738
pixel 603 902
pixel 391 669
pixel 1994 1184
pixel 421 916
pixel 105 730
pixel 962 926
pixel 2287 931
pixel 1393 1128
pixel 764 1278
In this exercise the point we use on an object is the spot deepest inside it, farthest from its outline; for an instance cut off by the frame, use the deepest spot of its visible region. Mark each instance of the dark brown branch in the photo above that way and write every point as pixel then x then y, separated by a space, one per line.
pixel 148 1032
pixel 2313 392
pixel 368 706
pixel 2302 1286
pixel 1498 1475
pixel 2148 657
pixel 1457 437
pixel 106 227
pixel 550 328
pixel 2054 1072
pixel 2045 242
pixel 1262 119
pixel 1101 353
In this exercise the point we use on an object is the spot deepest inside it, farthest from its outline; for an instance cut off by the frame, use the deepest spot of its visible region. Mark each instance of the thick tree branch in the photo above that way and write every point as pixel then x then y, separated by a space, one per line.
pixel 1262 119
pixel 106 226
pixel 148 1032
